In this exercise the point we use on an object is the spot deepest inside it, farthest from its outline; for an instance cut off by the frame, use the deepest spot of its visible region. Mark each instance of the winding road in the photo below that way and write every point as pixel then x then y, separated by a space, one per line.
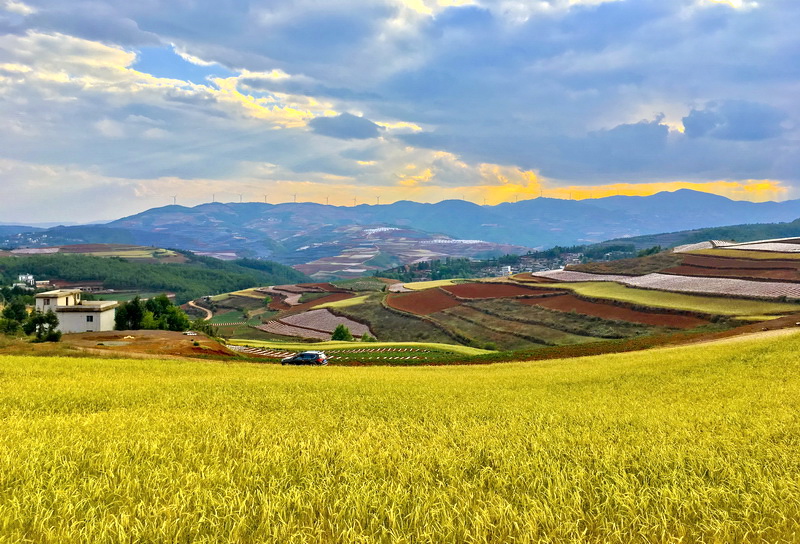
pixel 209 313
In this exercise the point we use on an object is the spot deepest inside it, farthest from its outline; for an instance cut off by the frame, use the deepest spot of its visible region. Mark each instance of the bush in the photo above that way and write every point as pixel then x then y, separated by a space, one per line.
pixel 342 333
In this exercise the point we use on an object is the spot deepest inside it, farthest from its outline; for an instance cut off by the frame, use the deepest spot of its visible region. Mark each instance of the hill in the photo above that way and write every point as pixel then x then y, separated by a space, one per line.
pixel 739 233
pixel 667 445
pixel 196 277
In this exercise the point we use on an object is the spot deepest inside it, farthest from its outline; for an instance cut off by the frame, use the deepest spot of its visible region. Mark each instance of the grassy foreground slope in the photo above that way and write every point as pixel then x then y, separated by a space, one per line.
pixel 692 444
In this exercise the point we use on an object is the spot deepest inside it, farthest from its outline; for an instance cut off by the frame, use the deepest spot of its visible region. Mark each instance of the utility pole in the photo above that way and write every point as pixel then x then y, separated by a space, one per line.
pixel 294 196
pixel 516 198
pixel 354 201
pixel 240 198
pixel 484 201
pixel 174 200
pixel 326 200
pixel 265 198
pixel 378 200
pixel 214 197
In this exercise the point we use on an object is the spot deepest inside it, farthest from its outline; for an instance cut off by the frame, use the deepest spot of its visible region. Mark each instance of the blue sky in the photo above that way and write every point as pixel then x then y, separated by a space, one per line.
pixel 111 106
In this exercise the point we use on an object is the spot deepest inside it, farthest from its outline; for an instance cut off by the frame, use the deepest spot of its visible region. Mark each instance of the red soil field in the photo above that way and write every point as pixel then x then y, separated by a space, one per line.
pixel 527 277
pixel 727 267
pixel 568 303
pixel 424 302
pixel 493 290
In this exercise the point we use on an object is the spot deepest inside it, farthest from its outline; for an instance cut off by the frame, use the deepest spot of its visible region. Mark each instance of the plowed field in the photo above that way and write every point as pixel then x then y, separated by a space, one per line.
pixel 703 265
pixel 570 303
pixel 493 290
pixel 424 302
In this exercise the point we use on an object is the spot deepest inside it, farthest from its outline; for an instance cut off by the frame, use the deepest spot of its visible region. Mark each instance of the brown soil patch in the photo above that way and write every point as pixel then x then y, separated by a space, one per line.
pixel 570 303
pixel 729 267
pixel 776 274
pixel 424 302
pixel 333 297
pixel 493 290
pixel 161 343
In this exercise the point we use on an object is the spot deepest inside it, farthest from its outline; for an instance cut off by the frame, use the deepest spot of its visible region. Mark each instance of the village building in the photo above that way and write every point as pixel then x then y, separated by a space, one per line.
pixel 76 315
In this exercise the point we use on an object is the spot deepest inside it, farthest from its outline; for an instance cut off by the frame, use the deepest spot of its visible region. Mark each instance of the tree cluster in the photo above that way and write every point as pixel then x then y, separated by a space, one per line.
pixel 156 313
pixel 15 318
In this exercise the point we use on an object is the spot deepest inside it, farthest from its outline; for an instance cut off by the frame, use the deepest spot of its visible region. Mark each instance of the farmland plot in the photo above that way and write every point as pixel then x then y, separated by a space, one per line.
pixel 282 329
pixel 716 286
pixel 424 302
pixel 324 321
pixel 554 312
pixel 493 290
pixel 537 334
pixel 479 334
pixel 689 284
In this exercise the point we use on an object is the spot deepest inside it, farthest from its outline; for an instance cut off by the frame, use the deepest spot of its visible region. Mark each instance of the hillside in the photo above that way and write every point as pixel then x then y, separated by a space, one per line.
pixel 739 233
pixel 671 444
pixel 198 276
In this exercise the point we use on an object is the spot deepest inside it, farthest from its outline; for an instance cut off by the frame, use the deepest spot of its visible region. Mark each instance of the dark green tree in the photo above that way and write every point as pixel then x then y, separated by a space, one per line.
pixel 130 315
pixel 43 325
pixel 341 332
pixel 16 310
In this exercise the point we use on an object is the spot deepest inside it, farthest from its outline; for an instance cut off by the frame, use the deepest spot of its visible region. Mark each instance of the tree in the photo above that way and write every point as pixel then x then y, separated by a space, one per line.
pixel 16 310
pixel 367 338
pixel 130 315
pixel 341 332
pixel 43 325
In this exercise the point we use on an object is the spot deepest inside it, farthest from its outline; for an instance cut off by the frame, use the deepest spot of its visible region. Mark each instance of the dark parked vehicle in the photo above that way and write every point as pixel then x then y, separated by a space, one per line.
pixel 306 358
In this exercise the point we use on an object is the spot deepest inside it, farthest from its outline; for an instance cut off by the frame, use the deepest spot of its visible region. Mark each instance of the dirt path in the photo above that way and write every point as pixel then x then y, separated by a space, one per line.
pixel 209 313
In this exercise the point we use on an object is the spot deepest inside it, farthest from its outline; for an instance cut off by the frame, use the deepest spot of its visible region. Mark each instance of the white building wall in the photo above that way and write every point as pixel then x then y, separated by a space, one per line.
pixel 69 322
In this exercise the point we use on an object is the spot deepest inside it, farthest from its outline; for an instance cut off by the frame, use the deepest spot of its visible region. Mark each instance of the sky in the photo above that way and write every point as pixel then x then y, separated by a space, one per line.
pixel 111 107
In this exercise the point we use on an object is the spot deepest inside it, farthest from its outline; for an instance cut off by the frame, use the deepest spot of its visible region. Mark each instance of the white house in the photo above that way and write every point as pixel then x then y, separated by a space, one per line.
pixel 76 315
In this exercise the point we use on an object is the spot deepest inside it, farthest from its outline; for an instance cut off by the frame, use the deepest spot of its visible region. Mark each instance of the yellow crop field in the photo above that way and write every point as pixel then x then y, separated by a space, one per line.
pixel 691 444
pixel 677 301
pixel 419 285
pixel 355 301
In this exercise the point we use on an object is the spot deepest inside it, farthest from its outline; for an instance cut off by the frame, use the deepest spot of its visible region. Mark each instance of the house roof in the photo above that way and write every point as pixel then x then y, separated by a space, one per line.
pixel 89 306
pixel 58 293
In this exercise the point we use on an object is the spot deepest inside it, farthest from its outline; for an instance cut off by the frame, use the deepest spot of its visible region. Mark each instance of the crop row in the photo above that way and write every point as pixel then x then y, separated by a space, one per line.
pixel 276 327
pixel 324 320
pixel 689 284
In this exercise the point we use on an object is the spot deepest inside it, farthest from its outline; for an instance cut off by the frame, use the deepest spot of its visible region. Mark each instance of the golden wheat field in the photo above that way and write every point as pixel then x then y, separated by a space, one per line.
pixel 693 444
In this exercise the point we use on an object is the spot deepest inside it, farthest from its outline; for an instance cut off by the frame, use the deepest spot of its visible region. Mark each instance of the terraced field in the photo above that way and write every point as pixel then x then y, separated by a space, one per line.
pixel 679 301
pixel 570 314
pixel 599 309
pixel 523 332
pixel 704 285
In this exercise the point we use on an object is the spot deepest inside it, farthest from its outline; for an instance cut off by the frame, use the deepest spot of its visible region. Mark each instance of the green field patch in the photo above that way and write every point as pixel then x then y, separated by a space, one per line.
pixel 677 301
pixel 360 284
pixel 533 334
pixel 125 297
pixel 232 316
pixel 571 322
pixel 301 346
pixel 667 445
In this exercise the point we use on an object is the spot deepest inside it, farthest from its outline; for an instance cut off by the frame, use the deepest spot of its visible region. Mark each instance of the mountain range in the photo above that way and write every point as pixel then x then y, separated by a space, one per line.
pixel 296 233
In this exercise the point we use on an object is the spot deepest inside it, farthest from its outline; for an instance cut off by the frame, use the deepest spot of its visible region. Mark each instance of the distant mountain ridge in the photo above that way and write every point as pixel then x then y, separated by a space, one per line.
pixel 277 231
